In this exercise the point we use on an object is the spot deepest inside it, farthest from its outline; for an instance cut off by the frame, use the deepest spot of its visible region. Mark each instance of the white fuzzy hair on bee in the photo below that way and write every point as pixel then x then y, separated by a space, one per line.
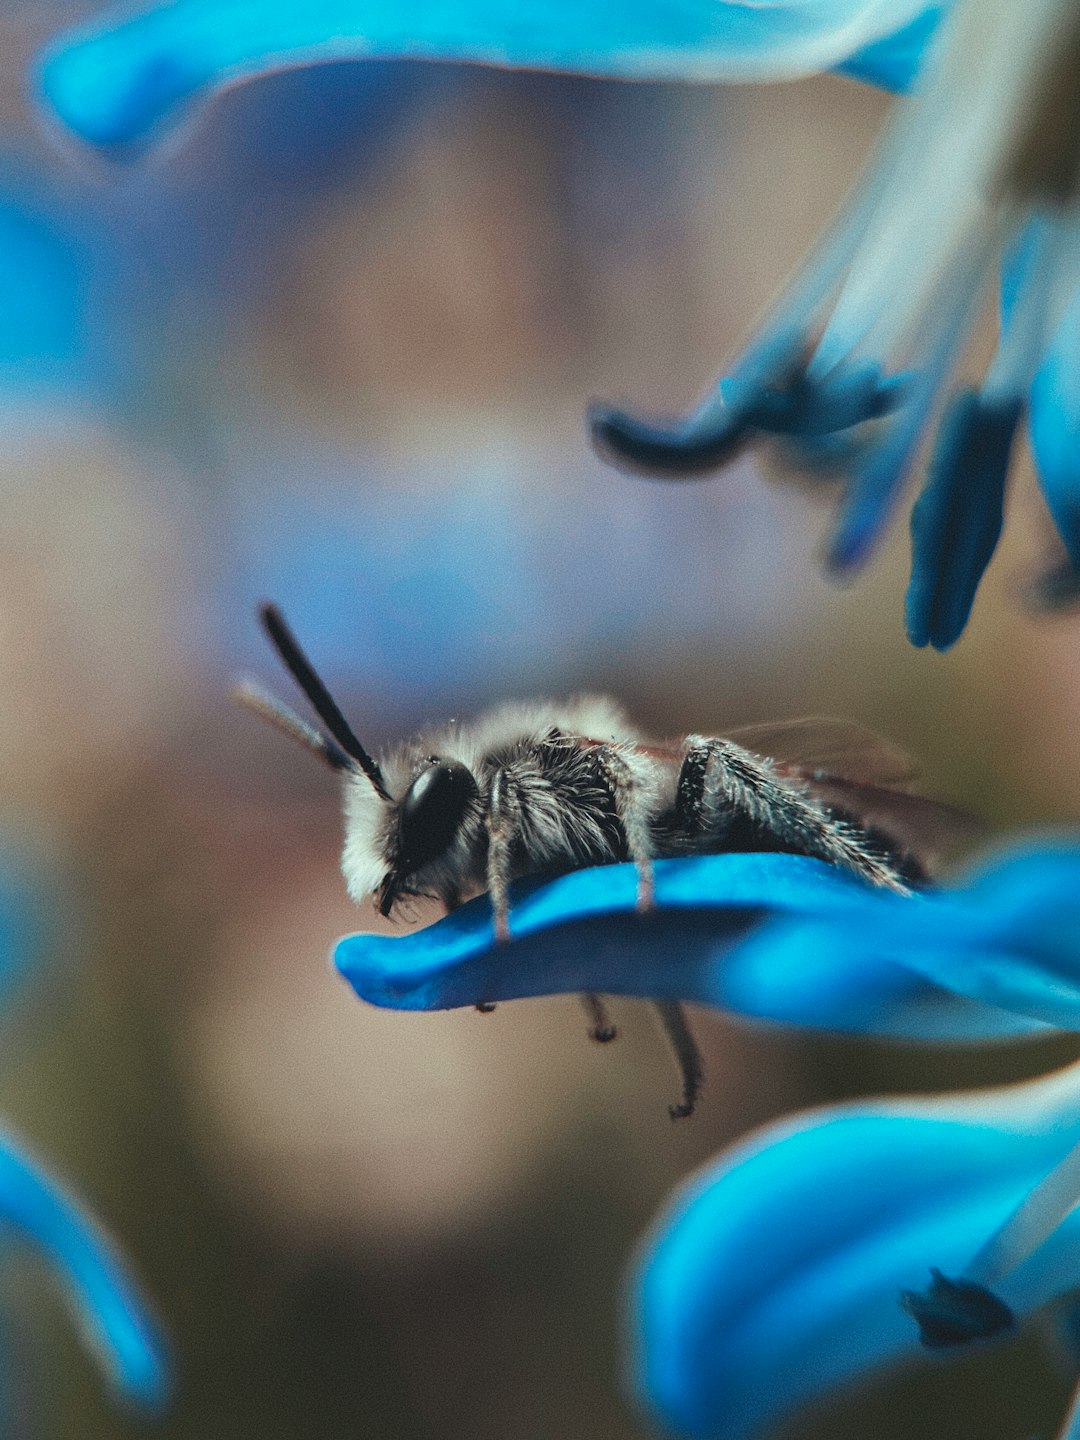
pixel 549 786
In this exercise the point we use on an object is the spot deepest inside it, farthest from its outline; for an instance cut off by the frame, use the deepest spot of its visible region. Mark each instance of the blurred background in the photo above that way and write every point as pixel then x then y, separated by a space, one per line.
pixel 333 347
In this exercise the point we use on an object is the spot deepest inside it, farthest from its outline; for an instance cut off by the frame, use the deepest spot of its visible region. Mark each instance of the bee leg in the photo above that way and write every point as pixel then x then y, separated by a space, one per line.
pixel 672 1018
pixel 452 901
pixel 633 817
pixel 601 1028
pixel 504 809
pixel 720 780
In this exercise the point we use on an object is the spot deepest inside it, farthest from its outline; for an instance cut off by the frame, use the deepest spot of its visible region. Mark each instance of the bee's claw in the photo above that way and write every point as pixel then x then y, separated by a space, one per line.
pixel 687 1056
pixel 601 1030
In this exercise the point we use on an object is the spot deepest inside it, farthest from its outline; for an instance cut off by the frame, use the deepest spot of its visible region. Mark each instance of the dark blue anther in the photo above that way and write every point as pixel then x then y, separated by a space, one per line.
pixel 956 521
pixel 672 451
pixel 955 1312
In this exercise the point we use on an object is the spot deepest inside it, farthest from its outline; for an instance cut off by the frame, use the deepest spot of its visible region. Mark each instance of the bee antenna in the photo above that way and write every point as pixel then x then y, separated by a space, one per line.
pixel 302 671
pixel 254 697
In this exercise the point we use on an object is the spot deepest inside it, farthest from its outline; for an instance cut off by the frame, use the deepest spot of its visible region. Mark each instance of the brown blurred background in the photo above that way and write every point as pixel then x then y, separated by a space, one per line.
pixel 354 1222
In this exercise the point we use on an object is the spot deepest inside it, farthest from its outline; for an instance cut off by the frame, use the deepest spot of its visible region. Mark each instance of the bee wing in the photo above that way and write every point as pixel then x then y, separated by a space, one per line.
pixel 852 769
pixel 930 830
pixel 819 746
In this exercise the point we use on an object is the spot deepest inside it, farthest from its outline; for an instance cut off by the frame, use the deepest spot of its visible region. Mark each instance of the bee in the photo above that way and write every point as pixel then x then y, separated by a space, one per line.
pixel 548 787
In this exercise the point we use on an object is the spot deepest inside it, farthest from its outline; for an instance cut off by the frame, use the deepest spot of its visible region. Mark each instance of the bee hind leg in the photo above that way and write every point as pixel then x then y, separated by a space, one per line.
pixel 672 1019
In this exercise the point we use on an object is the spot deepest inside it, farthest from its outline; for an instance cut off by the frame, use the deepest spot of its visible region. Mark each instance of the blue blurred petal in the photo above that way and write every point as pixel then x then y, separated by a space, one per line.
pixel 110 1314
pixel 1055 428
pixel 779 937
pixel 24 926
pixel 956 521
pixel 893 63
pixel 775 1275
pixel 119 82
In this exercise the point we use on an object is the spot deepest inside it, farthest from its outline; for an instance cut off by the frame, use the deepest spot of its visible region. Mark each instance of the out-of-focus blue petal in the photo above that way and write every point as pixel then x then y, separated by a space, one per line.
pixel 725 926
pixel 893 63
pixel 775 1275
pixel 23 926
pixel 109 1311
pixel 1070 1430
pixel 1054 419
pixel 956 521
pixel 119 82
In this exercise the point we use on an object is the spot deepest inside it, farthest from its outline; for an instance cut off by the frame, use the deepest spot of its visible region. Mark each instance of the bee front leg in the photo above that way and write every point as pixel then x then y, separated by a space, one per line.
pixel 634 817
pixel 503 821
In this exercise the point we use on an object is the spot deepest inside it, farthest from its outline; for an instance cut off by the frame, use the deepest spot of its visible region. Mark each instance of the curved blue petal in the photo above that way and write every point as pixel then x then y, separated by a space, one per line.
pixel 110 1313
pixel 893 63
pixel 779 937
pixel 1055 428
pixel 775 1275
pixel 119 82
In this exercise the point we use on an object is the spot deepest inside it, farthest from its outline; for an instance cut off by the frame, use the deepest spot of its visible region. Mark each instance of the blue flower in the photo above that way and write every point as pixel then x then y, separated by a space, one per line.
pixel 920 1224
pixel 38 1212
pixel 776 937
pixel 848 376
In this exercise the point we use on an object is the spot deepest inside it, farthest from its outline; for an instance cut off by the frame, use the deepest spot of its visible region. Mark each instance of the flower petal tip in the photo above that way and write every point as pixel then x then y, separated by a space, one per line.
pixel 670 450
pixel 115 92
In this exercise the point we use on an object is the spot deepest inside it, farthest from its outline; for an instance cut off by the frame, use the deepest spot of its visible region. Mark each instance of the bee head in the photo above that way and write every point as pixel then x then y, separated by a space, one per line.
pixel 426 824
pixel 388 841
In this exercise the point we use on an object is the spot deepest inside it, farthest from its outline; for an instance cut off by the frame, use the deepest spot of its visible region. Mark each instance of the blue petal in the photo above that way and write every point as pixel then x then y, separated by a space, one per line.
pixel 110 1312
pixel 775 1276
pixel 956 521
pixel 1055 428
pixel 118 83
pixel 893 63
pixel 23 925
pixel 726 926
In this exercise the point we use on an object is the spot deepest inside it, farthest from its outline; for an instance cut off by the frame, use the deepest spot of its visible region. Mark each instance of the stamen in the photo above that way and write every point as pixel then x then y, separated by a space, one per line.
pixel 955 1312
pixel 874 489
pixel 713 432
pixel 1044 285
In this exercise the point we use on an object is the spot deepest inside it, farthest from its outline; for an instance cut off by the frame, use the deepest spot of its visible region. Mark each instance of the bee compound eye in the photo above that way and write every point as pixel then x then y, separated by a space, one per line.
pixel 432 811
